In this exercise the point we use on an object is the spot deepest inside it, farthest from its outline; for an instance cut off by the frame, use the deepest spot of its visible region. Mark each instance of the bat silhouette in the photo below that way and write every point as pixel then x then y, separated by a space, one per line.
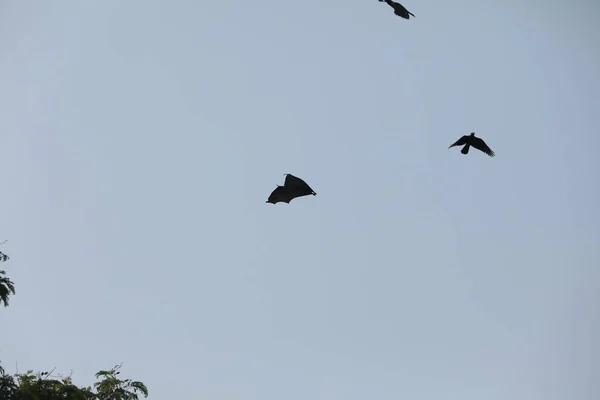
pixel 399 9
pixel 292 188
pixel 472 140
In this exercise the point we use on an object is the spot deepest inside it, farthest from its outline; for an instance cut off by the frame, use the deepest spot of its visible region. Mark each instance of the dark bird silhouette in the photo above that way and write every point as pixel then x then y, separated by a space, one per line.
pixel 399 9
pixel 472 140
pixel 292 188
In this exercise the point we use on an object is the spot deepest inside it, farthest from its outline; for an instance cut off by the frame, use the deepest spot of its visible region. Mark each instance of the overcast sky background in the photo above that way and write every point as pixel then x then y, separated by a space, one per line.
pixel 139 141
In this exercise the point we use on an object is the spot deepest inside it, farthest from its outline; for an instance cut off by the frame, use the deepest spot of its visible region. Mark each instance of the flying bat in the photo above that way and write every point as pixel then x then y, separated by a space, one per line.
pixel 399 9
pixel 292 188
pixel 472 140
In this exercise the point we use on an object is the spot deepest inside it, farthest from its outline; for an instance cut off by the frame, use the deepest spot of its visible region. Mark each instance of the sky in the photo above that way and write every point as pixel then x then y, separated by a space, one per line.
pixel 140 141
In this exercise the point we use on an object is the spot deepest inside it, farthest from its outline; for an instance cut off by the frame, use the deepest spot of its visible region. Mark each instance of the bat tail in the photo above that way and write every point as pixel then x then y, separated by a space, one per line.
pixel 465 150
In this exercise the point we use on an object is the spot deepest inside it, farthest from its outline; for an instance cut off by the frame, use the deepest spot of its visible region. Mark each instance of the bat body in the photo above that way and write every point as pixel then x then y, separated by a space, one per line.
pixel 473 141
pixel 399 9
pixel 292 188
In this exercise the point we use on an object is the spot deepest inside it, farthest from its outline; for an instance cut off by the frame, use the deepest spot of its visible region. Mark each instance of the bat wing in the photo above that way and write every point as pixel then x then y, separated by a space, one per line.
pixel 400 8
pixel 297 187
pixel 479 144
pixel 292 181
pixel 460 142
pixel 280 194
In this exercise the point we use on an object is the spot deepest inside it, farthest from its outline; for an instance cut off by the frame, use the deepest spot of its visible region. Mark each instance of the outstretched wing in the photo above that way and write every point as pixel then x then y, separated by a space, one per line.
pixel 297 187
pixel 460 142
pixel 280 194
pixel 293 182
pixel 479 144
pixel 399 7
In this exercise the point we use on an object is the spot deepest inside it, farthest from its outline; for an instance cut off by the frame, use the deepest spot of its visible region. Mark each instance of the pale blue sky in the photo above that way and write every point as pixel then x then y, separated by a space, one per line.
pixel 140 140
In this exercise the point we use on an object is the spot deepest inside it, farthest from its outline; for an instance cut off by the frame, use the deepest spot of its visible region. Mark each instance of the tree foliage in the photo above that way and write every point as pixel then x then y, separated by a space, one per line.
pixel 8 387
pixel 45 386
pixel 7 287
pixel 113 388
